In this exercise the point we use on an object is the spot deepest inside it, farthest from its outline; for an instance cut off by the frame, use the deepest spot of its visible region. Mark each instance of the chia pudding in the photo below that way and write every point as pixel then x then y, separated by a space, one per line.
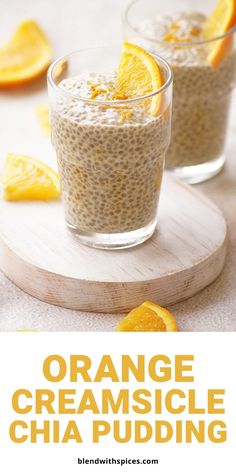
pixel 201 93
pixel 110 157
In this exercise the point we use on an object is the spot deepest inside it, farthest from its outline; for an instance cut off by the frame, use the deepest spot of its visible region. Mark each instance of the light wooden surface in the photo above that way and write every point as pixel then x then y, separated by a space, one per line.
pixel 40 255
pixel 83 24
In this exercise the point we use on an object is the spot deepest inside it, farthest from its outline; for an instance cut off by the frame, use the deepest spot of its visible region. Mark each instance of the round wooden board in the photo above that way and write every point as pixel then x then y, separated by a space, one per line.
pixel 187 252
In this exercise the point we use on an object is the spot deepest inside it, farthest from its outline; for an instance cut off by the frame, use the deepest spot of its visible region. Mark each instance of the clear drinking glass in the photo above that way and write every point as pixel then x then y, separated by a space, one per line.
pixel 201 92
pixel 110 153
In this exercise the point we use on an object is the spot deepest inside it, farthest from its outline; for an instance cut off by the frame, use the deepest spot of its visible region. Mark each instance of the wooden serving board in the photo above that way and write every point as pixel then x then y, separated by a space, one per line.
pixel 187 252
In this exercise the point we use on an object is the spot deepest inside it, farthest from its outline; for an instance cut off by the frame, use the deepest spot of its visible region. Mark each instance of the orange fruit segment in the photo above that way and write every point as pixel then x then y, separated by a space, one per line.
pixel 42 113
pixel 24 178
pixel 221 20
pixel 148 317
pixel 138 75
pixel 26 56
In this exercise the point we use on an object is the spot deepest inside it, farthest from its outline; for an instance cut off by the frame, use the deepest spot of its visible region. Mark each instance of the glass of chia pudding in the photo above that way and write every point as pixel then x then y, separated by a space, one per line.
pixel 204 73
pixel 110 148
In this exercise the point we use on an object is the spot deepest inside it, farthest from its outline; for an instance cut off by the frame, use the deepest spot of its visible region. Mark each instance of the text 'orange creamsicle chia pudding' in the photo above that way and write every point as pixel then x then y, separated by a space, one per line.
pixel 111 143
pixel 204 69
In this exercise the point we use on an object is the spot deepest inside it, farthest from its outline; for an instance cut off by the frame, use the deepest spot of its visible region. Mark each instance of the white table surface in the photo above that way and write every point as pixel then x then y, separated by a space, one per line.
pixel 71 25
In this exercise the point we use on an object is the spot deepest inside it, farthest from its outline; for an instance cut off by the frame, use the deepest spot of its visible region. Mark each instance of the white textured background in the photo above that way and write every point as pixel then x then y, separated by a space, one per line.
pixel 70 25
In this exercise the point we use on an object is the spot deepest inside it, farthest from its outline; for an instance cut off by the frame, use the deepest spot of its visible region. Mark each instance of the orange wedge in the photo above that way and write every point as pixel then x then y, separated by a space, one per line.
pixel 222 19
pixel 26 330
pixel 26 56
pixel 25 178
pixel 42 113
pixel 138 75
pixel 148 317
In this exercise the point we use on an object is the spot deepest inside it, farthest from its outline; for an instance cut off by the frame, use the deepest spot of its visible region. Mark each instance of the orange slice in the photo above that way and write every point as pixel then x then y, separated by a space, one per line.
pixel 26 56
pixel 148 317
pixel 42 113
pixel 222 19
pixel 138 75
pixel 25 178
pixel 26 330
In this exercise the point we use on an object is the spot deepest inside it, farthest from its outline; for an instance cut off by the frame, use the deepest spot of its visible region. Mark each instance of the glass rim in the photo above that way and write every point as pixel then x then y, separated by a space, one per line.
pixel 108 103
pixel 173 43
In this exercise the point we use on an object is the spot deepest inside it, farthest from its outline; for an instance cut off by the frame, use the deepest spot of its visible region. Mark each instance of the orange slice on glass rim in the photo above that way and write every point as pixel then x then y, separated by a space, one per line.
pixel 26 56
pixel 25 178
pixel 221 20
pixel 138 75
pixel 148 317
